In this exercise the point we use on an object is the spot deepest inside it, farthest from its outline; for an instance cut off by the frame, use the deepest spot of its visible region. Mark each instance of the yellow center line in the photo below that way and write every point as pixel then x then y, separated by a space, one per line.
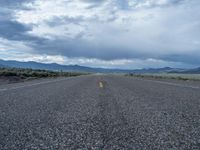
pixel 100 84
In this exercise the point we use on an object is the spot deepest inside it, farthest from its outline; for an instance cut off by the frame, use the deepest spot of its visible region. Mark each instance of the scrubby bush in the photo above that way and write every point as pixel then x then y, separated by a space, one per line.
pixel 31 73
pixel 183 77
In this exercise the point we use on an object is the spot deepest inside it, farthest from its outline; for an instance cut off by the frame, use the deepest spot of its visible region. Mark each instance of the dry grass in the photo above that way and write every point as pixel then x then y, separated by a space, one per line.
pixel 194 77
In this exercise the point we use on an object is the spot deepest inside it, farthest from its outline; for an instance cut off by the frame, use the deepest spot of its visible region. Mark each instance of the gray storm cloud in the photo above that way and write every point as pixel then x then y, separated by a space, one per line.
pixel 167 30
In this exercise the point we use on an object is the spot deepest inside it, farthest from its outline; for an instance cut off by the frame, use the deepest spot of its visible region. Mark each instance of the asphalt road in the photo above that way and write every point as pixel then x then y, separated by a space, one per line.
pixel 100 112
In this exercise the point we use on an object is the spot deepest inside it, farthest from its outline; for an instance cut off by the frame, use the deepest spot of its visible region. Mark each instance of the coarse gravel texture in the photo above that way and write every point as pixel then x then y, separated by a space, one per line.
pixel 77 113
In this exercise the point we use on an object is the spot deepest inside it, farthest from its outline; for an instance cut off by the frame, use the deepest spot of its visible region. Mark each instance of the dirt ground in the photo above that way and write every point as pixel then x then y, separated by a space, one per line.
pixel 8 80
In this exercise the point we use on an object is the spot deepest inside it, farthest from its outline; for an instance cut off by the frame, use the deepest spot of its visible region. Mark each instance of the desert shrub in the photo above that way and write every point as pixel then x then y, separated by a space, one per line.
pixel 8 73
pixel 34 73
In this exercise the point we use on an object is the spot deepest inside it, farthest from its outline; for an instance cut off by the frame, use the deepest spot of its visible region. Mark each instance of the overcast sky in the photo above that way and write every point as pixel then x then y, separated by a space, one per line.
pixel 102 33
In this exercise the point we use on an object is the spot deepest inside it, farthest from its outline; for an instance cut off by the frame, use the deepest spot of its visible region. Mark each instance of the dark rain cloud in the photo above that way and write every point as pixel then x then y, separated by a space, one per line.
pixel 77 47
pixel 11 29
pixel 13 3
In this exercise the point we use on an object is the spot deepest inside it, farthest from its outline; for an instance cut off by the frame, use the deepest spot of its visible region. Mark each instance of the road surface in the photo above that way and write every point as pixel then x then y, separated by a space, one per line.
pixel 100 112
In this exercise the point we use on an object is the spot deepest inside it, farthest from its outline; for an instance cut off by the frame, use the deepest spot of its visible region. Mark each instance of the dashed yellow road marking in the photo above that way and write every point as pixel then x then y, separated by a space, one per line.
pixel 100 84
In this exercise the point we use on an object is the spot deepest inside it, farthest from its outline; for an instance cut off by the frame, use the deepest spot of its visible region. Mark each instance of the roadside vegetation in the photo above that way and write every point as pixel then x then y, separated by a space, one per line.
pixel 27 74
pixel 185 77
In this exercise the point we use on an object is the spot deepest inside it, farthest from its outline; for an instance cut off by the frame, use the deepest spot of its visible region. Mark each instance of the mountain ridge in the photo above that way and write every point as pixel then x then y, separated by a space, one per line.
pixel 78 68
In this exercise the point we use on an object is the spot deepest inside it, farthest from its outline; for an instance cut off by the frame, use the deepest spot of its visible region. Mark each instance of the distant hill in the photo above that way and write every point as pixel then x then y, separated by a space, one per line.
pixel 77 68
pixel 155 70
pixel 2 65
pixel 58 67
pixel 188 71
pixel 36 65
pixel 195 71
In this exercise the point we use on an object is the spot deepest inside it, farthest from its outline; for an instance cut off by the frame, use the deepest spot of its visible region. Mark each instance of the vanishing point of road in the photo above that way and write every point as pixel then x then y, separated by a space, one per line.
pixel 100 112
